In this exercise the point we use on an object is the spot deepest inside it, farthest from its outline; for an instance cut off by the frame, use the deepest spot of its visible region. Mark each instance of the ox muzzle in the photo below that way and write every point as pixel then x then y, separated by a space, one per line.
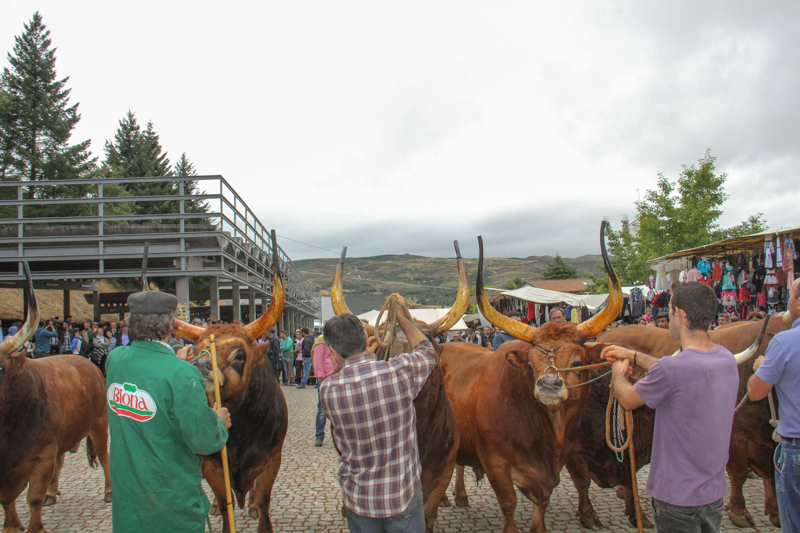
pixel 206 369
pixel 550 389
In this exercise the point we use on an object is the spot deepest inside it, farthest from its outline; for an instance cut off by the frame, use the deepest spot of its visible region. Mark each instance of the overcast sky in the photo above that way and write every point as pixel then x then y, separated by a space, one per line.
pixel 397 127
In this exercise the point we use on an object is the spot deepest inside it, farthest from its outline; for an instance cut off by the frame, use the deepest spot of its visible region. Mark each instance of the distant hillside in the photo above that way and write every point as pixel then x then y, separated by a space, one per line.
pixel 404 274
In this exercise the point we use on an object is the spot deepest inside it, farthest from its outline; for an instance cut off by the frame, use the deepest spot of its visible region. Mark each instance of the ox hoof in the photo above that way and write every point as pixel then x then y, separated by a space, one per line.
pixel 742 520
pixel 591 522
pixel 252 512
pixel 462 501
pixel 107 497
pixel 621 492
pixel 646 523
pixel 775 520
pixel 214 510
pixel 50 499
pixel 445 502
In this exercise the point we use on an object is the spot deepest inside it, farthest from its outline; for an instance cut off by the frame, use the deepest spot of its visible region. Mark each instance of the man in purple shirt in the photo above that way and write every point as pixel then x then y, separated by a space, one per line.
pixel 780 368
pixel 694 395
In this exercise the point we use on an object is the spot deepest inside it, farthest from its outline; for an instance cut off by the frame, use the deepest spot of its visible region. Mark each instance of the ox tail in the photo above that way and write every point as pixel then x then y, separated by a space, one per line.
pixel 91 454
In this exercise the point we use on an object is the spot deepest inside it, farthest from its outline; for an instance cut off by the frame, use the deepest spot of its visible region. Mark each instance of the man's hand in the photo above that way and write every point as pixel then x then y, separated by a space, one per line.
pixel 186 353
pixel 757 363
pixel 616 353
pixel 621 368
pixel 224 415
pixel 404 320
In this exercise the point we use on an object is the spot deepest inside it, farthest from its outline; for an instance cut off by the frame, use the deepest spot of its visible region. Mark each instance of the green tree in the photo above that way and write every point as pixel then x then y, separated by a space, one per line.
pixel 184 167
pixel 672 217
pixel 137 153
pixel 36 118
pixel 559 269
pixel 515 283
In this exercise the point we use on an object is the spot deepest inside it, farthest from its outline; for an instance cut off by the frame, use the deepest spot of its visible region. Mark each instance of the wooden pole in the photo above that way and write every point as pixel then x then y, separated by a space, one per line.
pixel 225 471
pixel 634 486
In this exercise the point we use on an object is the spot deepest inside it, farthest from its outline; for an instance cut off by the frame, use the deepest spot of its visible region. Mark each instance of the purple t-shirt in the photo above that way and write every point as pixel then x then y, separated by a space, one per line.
pixel 694 394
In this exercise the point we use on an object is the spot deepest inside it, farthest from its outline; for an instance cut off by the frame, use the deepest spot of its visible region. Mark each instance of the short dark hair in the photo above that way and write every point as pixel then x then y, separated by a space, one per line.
pixel 345 334
pixel 553 310
pixel 698 302
pixel 304 330
pixel 512 314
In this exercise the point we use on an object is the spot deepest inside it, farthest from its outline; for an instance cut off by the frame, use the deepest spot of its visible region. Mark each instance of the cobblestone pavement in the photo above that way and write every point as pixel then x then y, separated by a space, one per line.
pixel 306 494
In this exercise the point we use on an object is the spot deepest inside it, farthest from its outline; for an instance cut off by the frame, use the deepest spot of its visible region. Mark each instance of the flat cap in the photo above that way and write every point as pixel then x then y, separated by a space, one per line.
pixel 152 303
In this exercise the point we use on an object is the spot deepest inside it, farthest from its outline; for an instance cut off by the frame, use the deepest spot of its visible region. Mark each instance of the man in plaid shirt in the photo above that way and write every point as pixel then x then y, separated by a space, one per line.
pixel 371 406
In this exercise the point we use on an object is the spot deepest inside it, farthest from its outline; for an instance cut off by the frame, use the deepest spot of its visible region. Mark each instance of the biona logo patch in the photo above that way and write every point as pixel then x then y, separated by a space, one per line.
pixel 130 401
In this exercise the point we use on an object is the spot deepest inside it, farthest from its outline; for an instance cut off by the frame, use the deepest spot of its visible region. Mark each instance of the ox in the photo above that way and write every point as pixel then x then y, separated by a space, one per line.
pixel 751 437
pixel 437 433
pixel 259 416
pixel 514 410
pixel 47 406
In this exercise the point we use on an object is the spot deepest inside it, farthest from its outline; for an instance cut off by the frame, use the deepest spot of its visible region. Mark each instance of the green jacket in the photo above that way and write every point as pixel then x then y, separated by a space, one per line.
pixel 159 421
pixel 287 347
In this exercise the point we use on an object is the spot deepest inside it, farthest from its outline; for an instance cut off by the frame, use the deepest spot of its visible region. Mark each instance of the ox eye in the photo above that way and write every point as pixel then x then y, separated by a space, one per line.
pixel 239 357
pixel 576 364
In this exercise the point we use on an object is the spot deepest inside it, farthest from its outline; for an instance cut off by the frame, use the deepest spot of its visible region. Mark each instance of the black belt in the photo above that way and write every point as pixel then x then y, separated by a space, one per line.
pixel 793 440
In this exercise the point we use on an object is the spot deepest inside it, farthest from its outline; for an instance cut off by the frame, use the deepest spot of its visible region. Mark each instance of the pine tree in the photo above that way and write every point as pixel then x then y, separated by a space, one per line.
pixel 184 167
pixel 138 153
pixel 559 269
pixel 36 118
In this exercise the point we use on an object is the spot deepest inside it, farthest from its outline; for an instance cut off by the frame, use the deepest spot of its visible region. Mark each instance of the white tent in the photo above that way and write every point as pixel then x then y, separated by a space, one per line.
pixel 544 296
pixel 425 315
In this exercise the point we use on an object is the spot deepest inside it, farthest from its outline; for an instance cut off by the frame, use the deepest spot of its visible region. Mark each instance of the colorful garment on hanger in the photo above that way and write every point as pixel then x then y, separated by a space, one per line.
pixel 771 280
pixel 716 271
pixel 768 252
pixel 704 267
pixel 779 255
pixel 761 299
pixel 694 275
pixel 728 281
pixel 729 298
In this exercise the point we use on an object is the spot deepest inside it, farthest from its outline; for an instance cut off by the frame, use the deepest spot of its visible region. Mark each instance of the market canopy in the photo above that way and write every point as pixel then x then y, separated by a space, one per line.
pixel 544 296
pixel 428 316
pixel 731 246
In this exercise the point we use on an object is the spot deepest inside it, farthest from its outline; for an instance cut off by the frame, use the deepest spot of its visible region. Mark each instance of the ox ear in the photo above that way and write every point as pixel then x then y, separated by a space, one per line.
pixel 593 351
pixel 517 358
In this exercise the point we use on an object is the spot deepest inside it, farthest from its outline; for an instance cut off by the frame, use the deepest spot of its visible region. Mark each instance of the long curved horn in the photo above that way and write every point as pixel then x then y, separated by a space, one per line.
pixel 742 357
pixel 187 331
pixel 258 327
pixel 600 321
pixel 337 294
pixel 519 330
pixel 12 344
pixel 462 299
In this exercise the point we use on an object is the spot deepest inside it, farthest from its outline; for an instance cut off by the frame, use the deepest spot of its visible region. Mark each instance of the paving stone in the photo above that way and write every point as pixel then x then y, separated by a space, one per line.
pixel 306 494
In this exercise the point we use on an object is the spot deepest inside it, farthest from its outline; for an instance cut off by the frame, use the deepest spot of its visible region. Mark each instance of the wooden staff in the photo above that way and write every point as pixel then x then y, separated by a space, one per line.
pixel 225 471
pixel 637 506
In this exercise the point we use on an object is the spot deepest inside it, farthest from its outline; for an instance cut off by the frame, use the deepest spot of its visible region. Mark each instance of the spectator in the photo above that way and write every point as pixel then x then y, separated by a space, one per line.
pixel 323 367
pixel 43 334
pixel 501 336
pixel 557 316
pixel 287 348
pixel 77 340
pixel 662 320
pixel 274 352
pixel 487 337
pixel 305 350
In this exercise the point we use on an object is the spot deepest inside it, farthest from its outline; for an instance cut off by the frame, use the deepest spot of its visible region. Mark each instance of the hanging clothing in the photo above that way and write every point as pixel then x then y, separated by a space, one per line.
pixel 761 299
pixel 728 281
pixel 771 280
pixel 716 271
pixel 704 267
pixel 694 275
pixel 729 298
pixel 768 252
pixel 779 255
pixel 661 277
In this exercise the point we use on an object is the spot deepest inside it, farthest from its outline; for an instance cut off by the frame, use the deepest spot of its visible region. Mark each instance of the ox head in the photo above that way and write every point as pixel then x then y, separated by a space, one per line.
pixel 430 330
pixel 553 346
pixel 11 359
pixel 238 355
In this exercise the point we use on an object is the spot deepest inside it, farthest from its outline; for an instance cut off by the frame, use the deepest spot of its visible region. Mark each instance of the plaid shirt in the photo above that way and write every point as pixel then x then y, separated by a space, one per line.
pixel 371 406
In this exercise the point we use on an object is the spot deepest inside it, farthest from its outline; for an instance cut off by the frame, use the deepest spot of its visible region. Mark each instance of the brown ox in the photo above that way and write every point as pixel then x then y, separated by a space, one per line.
pixel 514 410
pixel 751 437
pixel 437 433
pixel 259 416
pixel 47 406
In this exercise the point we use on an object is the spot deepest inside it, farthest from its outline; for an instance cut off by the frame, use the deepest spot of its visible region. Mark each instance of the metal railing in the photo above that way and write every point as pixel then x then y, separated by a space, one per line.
pixel 70 229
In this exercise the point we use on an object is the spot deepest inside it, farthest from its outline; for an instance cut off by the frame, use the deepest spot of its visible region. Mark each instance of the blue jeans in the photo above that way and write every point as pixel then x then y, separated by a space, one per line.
pixel 787 469
pixel 699 519
pixel 307 362
pixel 412 520
pixel 320 417
pixel 284 369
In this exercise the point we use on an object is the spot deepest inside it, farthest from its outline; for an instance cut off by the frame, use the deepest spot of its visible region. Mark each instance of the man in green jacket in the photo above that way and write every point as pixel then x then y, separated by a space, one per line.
pixel 159 422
